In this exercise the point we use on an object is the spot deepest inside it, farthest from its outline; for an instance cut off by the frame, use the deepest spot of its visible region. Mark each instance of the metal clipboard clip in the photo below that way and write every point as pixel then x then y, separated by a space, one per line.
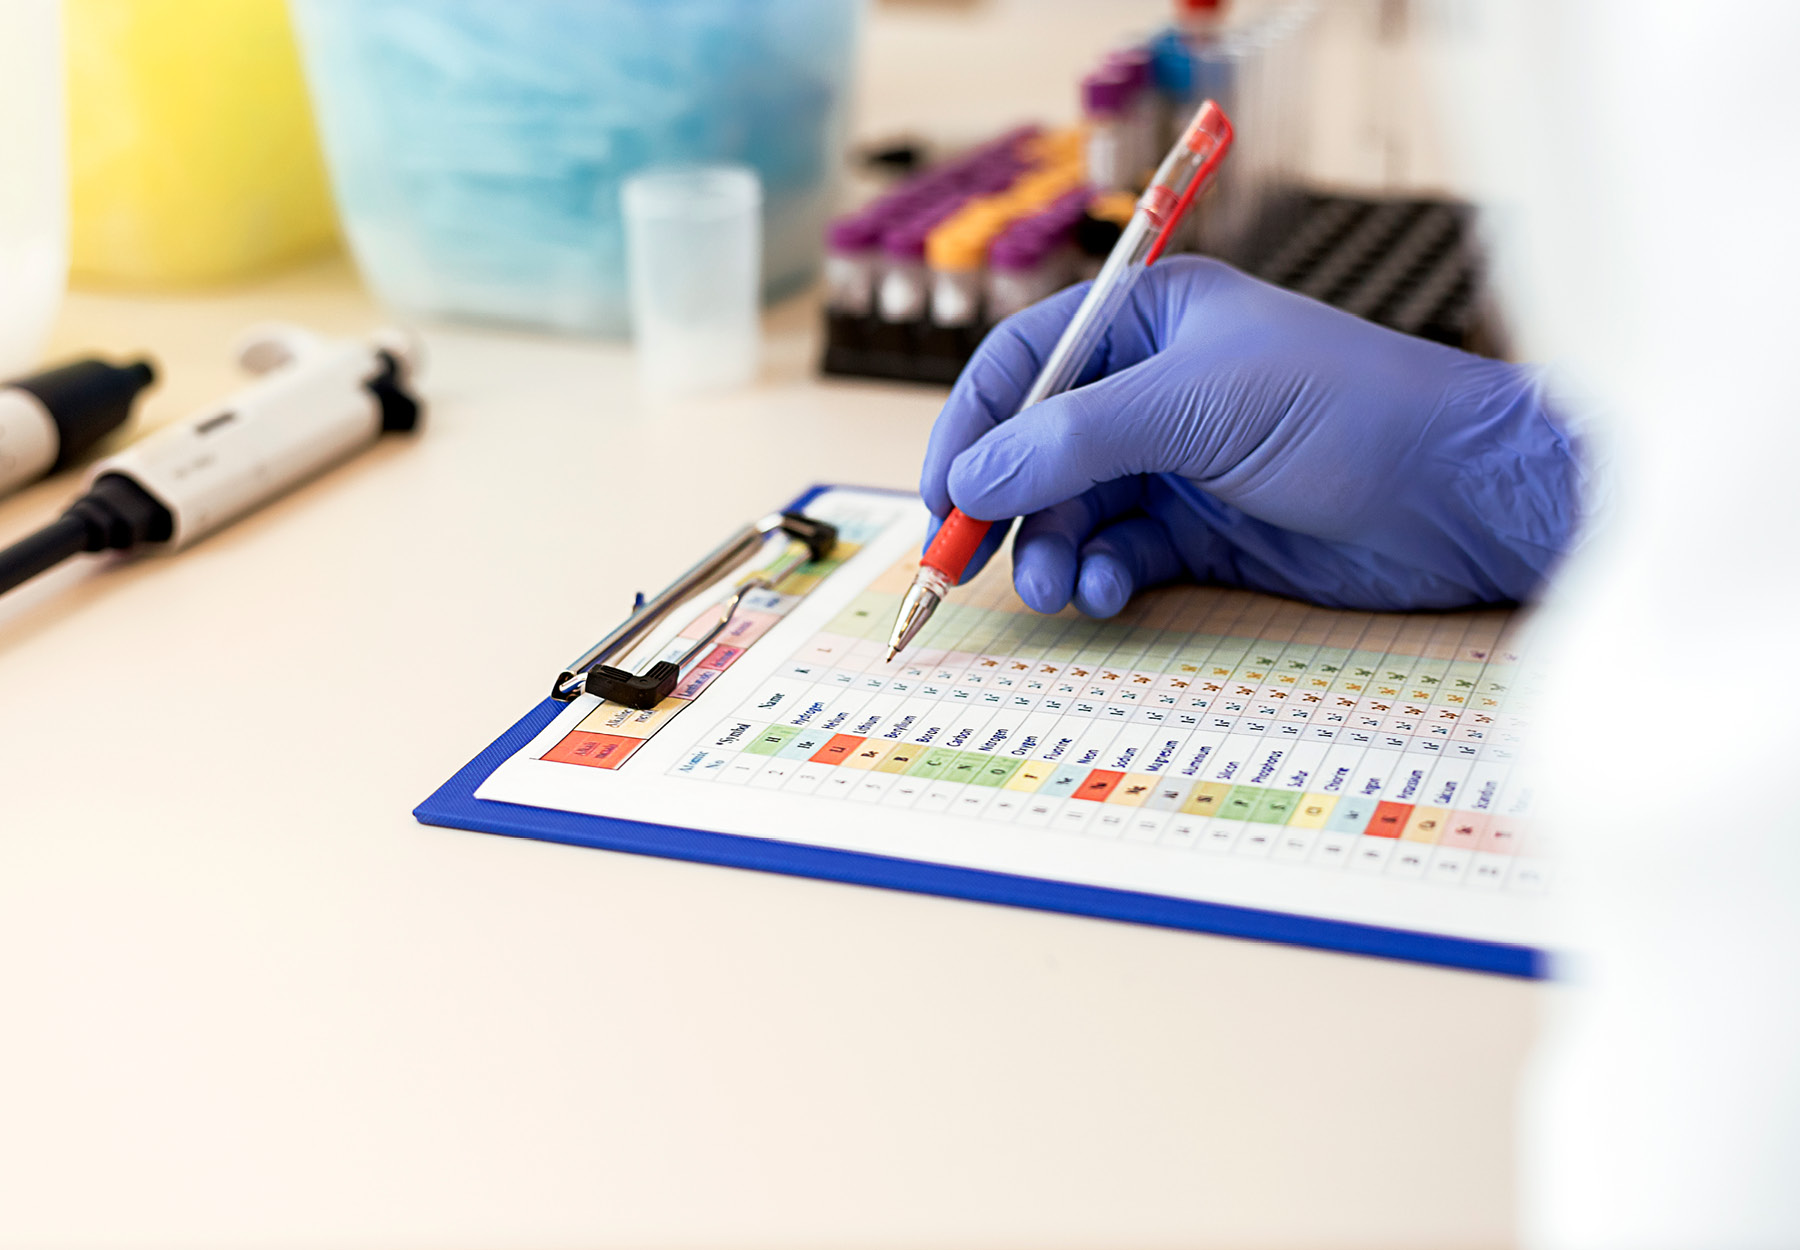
pixel 809 540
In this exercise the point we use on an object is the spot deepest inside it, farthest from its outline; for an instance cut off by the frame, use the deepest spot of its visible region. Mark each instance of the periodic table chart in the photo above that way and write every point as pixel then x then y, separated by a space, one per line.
pixel 1207 743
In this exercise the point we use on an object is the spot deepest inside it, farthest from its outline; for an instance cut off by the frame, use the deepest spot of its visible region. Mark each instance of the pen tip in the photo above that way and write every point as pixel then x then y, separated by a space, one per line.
pixel 892 652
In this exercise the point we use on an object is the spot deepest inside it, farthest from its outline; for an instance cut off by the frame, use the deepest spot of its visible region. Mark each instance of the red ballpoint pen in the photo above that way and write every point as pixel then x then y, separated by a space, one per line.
pixel 1184 173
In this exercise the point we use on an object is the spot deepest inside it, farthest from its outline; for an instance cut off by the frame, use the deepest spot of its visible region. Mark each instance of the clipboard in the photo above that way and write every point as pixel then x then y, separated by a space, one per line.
pixel 455 805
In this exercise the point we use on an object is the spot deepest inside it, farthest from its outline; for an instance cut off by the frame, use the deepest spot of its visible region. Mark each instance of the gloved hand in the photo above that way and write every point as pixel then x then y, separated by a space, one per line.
pixel 1242 434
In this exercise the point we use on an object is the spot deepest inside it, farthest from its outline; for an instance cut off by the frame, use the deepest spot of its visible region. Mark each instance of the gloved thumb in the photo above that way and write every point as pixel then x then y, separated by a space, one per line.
pixel 1125 423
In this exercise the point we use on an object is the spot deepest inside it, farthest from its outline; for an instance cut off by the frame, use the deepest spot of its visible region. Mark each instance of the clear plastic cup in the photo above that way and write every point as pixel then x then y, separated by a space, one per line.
pixel 693 256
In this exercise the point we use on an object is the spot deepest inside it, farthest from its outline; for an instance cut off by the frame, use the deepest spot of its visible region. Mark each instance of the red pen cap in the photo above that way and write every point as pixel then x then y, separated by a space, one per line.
pixel 1208 132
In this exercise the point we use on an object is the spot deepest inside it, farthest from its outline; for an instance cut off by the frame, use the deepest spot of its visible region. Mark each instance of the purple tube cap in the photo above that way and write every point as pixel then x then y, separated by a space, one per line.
pixel 1065 210
pixel 1012 139
pixel 1019 247
pixel 1105 94
pixel 905 240
pixel 955 177
pixel 996 177
pixel 1134 64
pixel 856 233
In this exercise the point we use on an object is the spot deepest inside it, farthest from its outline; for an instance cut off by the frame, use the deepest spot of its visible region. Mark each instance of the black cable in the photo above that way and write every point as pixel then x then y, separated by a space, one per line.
pixel 45 549
pixel 115 514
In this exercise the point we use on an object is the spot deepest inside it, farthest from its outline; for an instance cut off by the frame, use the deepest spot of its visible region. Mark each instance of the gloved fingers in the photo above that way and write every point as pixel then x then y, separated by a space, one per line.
pixel 1047 549
pixel 1220 543
pixel 991 386
pixel 1123 424
pixel 1123 558
pixel 1009 359
pixel 1046 554
pixel 1169 401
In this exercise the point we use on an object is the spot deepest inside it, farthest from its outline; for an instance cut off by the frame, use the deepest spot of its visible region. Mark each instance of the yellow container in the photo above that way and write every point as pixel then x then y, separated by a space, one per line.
pixel 191 148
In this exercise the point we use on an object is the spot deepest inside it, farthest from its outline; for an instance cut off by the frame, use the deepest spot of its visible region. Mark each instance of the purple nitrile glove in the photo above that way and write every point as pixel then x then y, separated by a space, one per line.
pixel 1242 434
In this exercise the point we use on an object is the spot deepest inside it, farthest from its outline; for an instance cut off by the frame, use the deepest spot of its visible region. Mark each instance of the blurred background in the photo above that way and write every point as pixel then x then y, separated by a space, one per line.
pixel 469 157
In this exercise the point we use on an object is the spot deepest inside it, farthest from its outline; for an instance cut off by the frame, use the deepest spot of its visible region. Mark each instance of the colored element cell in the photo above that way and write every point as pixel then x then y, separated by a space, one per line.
pixel 1098 784
pixel 1206 800
pixel 1464 829
pixel 901 758
pixel 934 763
pixel 798 583
pixel 1030 775
pixel 594 750
pixel 1133 789
pixel 1426 825
pixel 837 750
pixel 967 767
pixel 1502 836
pixel 772 739
pixel 1313 811
pixel 994 772
pixel 1062 783
pixel 868 755
pixel 1167 796
pixel 1241 802
pixel 1276 807
pixel 1351 815
pixel 802 745
pixel 1389 820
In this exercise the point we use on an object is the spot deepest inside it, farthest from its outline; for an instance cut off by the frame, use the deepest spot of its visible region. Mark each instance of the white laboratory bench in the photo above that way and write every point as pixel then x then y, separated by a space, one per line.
pixel 245 1000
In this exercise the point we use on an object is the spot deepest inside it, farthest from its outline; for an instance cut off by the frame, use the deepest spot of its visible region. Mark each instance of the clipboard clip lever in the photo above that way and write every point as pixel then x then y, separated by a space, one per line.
pixel 808 540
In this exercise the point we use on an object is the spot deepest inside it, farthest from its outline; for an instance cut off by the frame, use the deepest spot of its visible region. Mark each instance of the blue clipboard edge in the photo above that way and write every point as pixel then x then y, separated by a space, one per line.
pixel 454 805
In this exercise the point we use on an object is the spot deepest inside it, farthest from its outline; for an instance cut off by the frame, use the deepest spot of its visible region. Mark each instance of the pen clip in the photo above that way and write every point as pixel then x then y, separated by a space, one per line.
pixel 1212 128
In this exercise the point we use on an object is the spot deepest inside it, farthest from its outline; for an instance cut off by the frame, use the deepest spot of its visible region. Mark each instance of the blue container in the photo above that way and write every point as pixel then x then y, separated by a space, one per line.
pixel 477 147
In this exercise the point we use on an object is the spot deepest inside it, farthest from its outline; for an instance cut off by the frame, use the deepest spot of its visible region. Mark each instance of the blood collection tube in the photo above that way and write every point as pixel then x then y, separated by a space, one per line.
pixel 877 279
pixel 1032 259
pixel 852 258
pixel 954 254
pixel 1105 101
pixel 1143 113
pixel 903 292
pixel 1023 268
pixel 958 249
